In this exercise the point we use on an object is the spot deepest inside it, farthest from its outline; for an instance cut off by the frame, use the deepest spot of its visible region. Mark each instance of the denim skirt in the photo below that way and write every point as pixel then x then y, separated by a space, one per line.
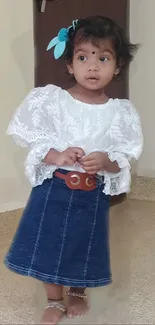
pixel 63 236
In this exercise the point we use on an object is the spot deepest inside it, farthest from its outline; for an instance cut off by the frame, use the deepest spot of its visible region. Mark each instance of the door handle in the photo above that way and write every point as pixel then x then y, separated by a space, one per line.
pixel 42 4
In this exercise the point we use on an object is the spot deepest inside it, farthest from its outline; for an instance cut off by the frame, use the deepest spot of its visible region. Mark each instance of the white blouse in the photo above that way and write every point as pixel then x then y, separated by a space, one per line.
pixel 49 117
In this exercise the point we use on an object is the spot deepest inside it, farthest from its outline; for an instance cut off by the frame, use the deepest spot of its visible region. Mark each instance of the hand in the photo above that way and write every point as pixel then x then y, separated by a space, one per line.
pixel 69 157
pixel 94 162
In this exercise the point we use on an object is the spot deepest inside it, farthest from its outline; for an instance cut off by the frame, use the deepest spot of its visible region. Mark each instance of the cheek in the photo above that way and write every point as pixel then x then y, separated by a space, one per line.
pixel 78 68
pixel 76 65
pixel 109 69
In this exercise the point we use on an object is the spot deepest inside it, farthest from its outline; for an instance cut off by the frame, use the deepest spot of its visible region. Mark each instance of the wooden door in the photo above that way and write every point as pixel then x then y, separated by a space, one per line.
pixel 60 13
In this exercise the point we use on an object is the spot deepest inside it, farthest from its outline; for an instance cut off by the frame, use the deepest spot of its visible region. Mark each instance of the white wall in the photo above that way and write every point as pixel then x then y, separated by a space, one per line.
pixel 142 77
pixel 16 68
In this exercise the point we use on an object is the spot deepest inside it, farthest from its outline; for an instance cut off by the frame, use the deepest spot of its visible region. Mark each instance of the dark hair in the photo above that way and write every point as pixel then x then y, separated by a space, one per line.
pixel 96 28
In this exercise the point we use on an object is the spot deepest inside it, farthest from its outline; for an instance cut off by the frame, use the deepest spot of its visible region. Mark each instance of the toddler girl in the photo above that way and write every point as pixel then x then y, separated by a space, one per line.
pixel 80 144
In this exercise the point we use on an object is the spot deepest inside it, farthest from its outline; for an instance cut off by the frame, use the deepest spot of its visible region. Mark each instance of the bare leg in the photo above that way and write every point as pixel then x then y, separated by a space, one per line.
pixel 77 306
pixel 52 315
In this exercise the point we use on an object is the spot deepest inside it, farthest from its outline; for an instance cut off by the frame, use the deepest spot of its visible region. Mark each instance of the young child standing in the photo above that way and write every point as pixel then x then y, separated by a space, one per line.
pixel 80 146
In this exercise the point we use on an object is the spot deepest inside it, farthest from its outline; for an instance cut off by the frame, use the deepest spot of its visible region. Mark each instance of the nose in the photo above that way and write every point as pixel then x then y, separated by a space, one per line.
pixel 93 66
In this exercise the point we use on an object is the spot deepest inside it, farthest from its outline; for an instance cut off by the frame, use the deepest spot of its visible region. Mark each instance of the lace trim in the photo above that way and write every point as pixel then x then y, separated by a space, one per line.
pixel 116 184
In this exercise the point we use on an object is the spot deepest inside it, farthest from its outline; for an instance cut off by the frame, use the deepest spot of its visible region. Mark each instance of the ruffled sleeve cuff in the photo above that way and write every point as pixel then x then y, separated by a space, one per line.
pixel 35 168
pixel 118 183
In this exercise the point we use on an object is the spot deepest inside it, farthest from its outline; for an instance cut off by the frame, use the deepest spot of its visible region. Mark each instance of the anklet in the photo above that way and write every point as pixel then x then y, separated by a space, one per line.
pixel 76 294
pixel 56 304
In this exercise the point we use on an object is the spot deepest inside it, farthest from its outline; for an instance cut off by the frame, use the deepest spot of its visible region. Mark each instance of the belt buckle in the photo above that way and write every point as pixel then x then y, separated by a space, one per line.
pixel 80 181
pixel 77 177
pixel 88 181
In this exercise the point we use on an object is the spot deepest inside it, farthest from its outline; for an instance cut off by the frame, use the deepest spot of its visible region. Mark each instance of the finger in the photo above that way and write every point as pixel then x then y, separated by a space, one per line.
pixel 79 160
pixel 89 163
pixel 89 157
pixel 91 172
pixel 79 152
pixel 91 169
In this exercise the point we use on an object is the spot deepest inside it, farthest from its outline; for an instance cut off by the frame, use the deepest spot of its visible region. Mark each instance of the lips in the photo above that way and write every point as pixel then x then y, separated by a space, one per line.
pixel 92 78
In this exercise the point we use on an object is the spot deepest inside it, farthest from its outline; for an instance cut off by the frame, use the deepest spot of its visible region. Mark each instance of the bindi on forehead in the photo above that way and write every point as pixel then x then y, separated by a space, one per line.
pixel 93 52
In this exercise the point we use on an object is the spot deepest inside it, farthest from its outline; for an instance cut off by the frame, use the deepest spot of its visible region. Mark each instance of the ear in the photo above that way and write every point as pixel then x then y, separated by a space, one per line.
pixel 70 68
pixel 117 71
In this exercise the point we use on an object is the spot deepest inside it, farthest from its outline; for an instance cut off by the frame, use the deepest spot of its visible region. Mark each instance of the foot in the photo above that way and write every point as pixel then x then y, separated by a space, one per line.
pixel 77 306
pixel 53 313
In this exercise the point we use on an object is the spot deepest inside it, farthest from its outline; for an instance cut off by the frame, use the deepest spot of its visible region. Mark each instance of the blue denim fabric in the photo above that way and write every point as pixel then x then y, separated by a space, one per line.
pixel 63 236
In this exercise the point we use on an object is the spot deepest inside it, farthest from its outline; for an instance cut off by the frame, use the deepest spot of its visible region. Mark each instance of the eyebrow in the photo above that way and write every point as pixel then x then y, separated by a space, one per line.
pixel 102 52
pixel 81 50
pixel 108 51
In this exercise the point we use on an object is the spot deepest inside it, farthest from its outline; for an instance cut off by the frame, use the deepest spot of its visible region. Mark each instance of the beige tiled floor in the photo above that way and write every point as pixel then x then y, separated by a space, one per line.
pixel 131 297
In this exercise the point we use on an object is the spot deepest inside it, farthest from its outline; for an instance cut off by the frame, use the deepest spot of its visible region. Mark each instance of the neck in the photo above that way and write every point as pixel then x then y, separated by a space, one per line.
pixel 90 96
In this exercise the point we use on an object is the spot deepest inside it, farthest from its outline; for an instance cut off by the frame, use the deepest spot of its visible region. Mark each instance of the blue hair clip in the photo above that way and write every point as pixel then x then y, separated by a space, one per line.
pixel 60 40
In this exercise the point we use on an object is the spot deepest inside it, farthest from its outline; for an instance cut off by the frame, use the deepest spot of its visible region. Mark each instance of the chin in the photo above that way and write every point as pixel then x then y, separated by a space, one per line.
pixel 93 87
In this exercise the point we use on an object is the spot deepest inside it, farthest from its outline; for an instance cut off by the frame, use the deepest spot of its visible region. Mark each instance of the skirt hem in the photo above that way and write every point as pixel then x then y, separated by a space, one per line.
pixel 56 279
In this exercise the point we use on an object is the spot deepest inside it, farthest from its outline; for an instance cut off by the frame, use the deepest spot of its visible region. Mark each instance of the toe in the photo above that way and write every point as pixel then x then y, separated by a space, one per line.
pixel 79 314
pixel 70 313
pixel 76 311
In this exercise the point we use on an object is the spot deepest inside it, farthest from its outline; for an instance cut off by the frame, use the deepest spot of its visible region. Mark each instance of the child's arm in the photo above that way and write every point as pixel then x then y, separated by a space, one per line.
pixel 51 157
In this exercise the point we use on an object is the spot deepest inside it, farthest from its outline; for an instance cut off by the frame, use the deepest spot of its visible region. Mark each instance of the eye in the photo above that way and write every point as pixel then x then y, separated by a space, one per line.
pixel 82 58
pixel 104 59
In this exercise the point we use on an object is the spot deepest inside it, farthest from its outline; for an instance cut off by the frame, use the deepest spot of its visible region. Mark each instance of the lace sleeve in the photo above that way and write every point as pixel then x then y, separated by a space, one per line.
pixel 127 145
pixel 30 128
pixel 29 123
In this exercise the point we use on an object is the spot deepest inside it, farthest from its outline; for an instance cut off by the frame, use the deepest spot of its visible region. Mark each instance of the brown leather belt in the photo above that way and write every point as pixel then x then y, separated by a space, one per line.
pixel 78 181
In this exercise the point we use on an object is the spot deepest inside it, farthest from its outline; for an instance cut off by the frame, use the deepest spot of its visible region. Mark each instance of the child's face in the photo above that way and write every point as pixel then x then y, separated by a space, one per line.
pixel 93 67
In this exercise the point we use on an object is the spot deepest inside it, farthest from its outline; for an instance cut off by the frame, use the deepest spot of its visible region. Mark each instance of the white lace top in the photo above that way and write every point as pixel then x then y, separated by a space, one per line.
pixel 50 117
